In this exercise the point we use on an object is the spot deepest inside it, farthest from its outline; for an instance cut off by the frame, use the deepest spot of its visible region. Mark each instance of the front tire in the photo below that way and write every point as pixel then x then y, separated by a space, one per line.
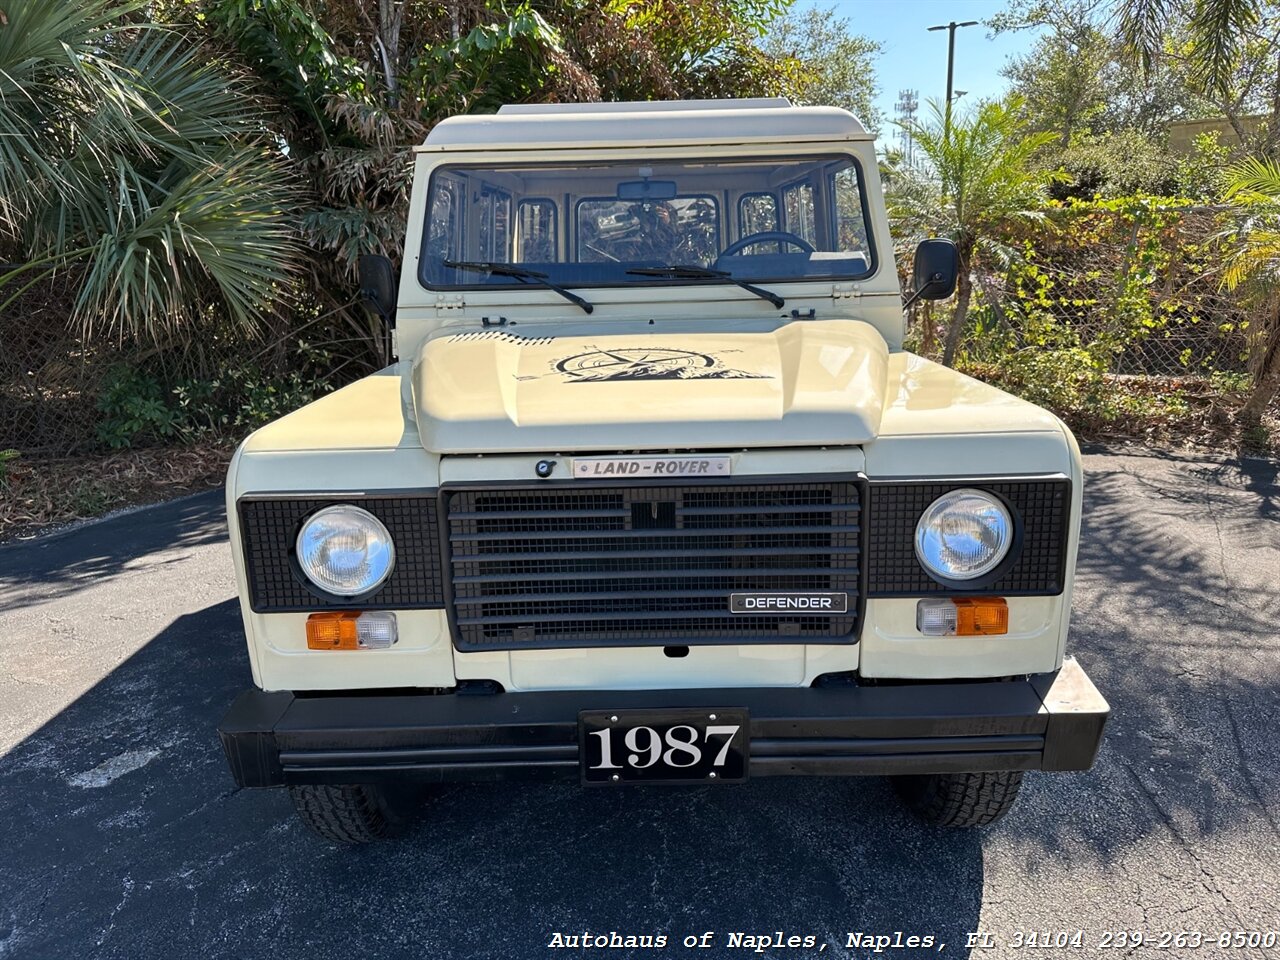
pixel 351 813
pixel 960 799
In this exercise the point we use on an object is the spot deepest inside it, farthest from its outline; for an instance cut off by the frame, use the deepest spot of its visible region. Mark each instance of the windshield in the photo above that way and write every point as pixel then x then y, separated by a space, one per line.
pixel 607 224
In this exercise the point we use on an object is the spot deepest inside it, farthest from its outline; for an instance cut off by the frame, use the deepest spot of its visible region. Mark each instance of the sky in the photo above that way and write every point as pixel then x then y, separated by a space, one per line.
pixel 915 59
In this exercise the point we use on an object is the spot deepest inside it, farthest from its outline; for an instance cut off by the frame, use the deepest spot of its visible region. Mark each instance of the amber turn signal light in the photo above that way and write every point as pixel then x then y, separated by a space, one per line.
pixel 350 630
pixel 963 617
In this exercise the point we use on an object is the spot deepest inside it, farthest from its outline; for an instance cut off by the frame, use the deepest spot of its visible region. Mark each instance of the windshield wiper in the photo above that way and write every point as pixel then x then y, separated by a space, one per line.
pixel 519 273
pixel 686 271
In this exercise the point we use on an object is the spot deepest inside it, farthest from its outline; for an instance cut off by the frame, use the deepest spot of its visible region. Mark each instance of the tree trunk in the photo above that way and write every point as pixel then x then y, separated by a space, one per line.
pixel 1266 377
pixel 926 328
pixel 390 18
pixel 964 290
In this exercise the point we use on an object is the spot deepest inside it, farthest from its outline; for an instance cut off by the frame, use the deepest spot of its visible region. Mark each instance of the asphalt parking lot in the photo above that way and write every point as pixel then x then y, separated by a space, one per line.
pixel 122 835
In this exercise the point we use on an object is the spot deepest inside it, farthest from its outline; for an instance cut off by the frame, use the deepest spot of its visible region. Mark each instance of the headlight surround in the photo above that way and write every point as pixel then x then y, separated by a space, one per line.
pixel 345 551
pixel 963 535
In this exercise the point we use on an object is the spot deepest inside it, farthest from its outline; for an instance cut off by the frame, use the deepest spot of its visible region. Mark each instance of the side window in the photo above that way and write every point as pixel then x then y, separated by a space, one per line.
pixel 494 225
pixel 846 200
pixel 757 213
pixel 798 211
pixel 536 230
pixel 444 236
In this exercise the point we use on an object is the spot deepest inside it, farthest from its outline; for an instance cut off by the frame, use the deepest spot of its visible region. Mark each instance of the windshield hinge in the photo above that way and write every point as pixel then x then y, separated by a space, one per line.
pixel 450 301
pixel 843 291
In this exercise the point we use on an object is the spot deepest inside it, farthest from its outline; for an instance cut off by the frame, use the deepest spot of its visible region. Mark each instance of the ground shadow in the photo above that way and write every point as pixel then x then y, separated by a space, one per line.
pixel 1177 620
pixel 62 563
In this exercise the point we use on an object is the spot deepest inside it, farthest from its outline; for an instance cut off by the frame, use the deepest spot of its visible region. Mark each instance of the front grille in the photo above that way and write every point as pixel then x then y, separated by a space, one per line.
pixel 629 565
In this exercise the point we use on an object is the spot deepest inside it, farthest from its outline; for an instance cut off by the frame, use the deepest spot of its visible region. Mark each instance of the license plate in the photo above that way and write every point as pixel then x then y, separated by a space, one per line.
pixel 664 746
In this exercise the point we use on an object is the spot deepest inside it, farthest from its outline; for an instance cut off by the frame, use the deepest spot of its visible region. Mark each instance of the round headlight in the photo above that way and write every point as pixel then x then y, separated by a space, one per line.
pixel 345 551
pixel 963 535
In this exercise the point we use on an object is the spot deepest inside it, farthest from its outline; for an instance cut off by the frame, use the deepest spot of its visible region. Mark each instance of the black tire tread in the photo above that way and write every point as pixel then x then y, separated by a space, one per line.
pixel 961 799
pixel 351 813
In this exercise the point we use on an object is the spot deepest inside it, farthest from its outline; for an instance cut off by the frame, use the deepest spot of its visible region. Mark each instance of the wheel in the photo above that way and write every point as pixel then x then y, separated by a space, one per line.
pixel 353 813
pixel 960 799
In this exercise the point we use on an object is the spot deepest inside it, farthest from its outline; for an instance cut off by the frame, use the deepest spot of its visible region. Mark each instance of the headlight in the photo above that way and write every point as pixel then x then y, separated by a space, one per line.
pixel 963 535
pixel 345 551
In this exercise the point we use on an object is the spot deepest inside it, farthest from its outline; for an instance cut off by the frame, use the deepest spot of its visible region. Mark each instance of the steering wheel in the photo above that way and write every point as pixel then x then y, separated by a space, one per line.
pixel 767 236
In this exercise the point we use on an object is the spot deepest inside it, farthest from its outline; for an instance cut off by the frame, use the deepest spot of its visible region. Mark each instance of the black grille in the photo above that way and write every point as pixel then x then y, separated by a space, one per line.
pixel 269 528
pixel 1042 514
pixel 623 565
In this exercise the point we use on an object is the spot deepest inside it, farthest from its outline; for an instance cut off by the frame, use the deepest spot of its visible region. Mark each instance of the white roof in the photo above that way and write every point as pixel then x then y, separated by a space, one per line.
pixel 520 126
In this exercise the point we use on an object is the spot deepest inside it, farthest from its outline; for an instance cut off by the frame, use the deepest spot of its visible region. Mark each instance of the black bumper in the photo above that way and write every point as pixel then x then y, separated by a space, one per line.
pixel 1046 722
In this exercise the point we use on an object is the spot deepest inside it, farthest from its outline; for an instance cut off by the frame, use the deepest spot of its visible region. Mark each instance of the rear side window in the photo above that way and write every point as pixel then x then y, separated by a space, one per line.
pixel 494 225
pixel 846 201
pixel 536 232
pixel 757 213
pixel 798 211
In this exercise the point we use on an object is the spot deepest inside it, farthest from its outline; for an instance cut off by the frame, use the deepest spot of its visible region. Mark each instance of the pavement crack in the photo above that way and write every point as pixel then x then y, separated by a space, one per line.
pixel 126 885
pixel 1207 880
pixel 1245 770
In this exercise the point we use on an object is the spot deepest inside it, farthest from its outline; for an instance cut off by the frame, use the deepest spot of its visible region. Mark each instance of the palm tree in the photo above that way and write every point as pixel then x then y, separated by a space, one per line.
pixel 1253 262
pixel 129 161
pixel 1216 28
pixel 978 177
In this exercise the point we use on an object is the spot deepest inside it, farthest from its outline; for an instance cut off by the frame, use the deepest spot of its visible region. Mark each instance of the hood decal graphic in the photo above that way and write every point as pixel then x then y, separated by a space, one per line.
pixel 648 363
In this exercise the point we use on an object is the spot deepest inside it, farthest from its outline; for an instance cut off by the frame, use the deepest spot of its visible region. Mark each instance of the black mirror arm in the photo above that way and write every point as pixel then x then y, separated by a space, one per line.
pixel 370 299
pixel 933 281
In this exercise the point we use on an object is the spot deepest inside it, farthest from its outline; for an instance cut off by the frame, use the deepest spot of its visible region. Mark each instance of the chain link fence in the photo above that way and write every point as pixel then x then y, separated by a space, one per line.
pixel 49 379
pixel 1131 289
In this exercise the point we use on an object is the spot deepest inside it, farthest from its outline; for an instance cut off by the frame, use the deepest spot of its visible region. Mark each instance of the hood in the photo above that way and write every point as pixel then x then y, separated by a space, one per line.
pixel 803 383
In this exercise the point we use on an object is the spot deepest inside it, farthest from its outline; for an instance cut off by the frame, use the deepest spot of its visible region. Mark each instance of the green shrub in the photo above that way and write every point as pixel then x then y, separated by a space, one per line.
pixel 134 406
pixel 138 409
pixel 1065 380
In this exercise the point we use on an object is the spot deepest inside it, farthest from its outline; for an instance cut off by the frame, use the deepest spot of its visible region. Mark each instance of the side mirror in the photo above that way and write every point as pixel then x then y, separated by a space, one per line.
pixel 936 268
pixel 378 285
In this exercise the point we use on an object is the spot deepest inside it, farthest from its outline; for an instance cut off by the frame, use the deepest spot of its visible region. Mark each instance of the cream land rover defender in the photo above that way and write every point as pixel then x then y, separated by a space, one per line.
pixel 654 495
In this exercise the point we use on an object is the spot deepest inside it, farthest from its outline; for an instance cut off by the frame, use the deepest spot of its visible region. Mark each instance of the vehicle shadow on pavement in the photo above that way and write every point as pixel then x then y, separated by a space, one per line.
pixel 41 565
pixel 125 836
pixel 1177 621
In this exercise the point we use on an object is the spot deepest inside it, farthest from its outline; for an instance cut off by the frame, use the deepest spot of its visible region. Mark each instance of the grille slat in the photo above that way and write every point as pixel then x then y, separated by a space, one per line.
pixel 750 511
pixel 672 573
pixel 572 565
pixel 585 595
pixel 522 515
pixel 611 615
pixel 609 554
pixel 652 534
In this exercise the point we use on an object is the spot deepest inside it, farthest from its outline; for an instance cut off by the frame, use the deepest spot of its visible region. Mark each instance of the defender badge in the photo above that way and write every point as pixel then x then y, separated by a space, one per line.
pixel 789 603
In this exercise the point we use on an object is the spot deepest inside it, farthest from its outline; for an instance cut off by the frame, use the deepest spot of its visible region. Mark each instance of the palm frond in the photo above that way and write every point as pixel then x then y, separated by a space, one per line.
pixel 1218 27
pixel 1253 179
pixel 1141 28
pixel 191 241
pixel 128 159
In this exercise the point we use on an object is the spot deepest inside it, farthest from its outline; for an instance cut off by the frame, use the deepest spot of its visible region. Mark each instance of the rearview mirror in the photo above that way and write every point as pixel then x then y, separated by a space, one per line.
pixel 936 268
pixel 378 285
pixel 647 190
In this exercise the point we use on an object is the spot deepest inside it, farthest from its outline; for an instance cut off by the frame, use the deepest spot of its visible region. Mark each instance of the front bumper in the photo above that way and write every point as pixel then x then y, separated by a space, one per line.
pixel 1048 721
